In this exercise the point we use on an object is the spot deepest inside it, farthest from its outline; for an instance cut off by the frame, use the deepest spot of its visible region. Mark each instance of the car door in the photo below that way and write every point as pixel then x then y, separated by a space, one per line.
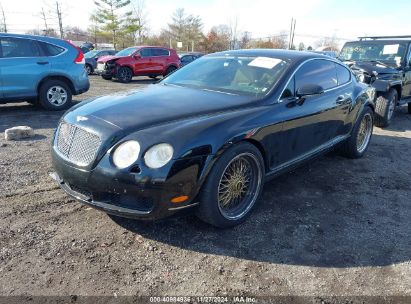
pixel 22 67
pixel 143 63
pixel 160 60
pixel 313 122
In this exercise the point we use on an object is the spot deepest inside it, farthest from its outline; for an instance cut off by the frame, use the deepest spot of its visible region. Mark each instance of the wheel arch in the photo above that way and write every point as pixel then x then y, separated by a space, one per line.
pixel 64 79
pixel 398 88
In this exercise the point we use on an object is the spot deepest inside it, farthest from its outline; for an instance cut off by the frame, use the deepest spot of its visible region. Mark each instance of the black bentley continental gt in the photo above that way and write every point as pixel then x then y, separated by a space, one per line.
pixel 209 135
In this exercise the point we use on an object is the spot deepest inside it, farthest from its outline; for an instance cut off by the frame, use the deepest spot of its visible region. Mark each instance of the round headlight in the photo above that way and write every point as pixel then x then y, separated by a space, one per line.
pixel 158 155
pixel 126 154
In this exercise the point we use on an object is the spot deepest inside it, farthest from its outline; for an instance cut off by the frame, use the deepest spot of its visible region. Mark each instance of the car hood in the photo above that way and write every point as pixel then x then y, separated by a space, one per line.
pixel 156 104
pixel 371 67
pixel 104 59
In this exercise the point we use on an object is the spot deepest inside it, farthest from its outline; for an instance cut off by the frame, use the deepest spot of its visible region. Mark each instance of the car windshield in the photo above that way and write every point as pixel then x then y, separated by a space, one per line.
pixel 383 51
pixel 242 75
pixel 127 51
pixel 90 54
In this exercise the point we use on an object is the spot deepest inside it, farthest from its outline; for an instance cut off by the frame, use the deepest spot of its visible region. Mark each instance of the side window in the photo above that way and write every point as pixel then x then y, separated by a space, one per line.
pixel 50 50
pixel 146 53
pixel 160 52
pixel 343 74
pixel 289 91
pixel 17 47
pixel 320 72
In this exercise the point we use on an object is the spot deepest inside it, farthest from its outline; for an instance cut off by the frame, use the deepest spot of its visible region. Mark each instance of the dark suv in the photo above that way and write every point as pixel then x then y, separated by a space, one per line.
pixel 384 63
pixel 138 61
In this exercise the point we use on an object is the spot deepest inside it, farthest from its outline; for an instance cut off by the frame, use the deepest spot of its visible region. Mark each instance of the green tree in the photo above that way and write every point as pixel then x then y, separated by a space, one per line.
pixel 184 28
pixel 113 18
pixel 301 46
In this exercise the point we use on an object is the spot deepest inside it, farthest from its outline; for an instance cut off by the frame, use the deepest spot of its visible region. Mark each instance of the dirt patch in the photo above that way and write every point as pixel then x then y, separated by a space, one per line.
pixel 334 227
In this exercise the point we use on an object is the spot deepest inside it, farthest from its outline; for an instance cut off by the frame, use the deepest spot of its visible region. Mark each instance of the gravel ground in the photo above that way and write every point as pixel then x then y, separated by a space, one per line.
pixel 334 227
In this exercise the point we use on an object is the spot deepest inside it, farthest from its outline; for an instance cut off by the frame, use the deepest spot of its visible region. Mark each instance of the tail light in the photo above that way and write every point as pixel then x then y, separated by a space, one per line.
pixel 80 56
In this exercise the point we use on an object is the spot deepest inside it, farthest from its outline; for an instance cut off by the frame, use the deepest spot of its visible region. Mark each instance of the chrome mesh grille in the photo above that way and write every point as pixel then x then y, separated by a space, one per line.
pixel 76 144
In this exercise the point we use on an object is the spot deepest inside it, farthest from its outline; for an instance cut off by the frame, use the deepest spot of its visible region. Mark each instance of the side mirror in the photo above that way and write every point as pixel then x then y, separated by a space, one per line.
pixel 137 56
pixel 309 90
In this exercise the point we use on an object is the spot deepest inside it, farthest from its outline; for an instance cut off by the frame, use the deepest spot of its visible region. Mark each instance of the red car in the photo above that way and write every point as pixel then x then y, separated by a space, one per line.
pixel 149 61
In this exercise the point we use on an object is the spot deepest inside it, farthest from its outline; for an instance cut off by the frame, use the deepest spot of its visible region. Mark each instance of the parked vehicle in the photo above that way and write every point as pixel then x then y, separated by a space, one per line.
pixel 92 57
pixel 189 57
pixel 86 47
pixel 384 63
pixel 41 70
pixel 195 139
pixel 138 61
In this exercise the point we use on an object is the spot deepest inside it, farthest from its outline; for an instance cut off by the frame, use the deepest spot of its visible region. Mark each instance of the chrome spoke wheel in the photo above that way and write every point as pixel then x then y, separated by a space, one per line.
pixel 364 133
pixel 57 95
pixel 239 186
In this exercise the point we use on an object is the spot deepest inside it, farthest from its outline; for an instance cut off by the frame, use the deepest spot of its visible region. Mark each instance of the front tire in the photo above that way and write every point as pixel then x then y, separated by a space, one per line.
pixel 124 74
pixel 357 144
pixel 385 107
pixel 232 187
pixel 55 95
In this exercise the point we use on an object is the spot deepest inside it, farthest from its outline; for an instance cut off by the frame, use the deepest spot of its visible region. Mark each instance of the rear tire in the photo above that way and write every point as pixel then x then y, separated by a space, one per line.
pixel 232 187
pixel 170 69
pixel 385 108
pixel 55 95
pixel 124 74
pixel 106 77
pixel 357 144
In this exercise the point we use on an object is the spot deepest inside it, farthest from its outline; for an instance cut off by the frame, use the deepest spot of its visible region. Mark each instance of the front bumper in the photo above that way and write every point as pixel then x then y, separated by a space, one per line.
pixel 134 195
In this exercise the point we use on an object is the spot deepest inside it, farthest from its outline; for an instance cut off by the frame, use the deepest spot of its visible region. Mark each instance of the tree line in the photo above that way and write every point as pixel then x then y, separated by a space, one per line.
pixel 123 24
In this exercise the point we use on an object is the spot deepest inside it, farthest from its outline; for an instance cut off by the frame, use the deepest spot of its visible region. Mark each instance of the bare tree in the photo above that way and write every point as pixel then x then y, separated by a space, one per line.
pixel 233 27
pixel 140 14
pixel 4 27
pixel 60 19
pixel 329 43
pixel 43 16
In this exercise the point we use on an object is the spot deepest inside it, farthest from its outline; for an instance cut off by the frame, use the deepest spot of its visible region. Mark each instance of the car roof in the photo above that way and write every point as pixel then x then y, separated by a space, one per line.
pixel 275 53
pixel 34 37
pixel 381 40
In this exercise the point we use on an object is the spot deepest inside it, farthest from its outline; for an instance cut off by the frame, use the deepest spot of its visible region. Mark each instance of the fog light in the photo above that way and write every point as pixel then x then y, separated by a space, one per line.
pixel 179 199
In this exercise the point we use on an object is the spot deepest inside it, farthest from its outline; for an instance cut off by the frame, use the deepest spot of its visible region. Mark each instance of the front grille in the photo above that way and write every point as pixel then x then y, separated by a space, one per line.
pixel 76 144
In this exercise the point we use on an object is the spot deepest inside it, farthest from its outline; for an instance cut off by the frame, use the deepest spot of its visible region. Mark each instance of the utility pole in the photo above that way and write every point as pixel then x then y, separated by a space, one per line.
pixel 4 19
pixel 292 32
pixel 58 12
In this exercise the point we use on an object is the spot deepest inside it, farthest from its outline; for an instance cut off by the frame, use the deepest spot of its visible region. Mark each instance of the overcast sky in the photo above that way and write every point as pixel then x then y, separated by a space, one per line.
pixel 346 19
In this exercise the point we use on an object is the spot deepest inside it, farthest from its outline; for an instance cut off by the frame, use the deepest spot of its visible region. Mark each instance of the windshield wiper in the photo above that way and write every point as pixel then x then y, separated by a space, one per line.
pixel 379 62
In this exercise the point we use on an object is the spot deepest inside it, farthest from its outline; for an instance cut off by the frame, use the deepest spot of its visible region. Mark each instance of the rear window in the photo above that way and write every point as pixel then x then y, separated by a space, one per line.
pixel 343 74
pixel 50 50
pixel 160 52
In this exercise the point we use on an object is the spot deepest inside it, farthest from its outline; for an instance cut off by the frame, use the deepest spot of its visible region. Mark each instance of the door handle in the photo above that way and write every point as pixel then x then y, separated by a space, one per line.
pixel 42 62
pixel 340 99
